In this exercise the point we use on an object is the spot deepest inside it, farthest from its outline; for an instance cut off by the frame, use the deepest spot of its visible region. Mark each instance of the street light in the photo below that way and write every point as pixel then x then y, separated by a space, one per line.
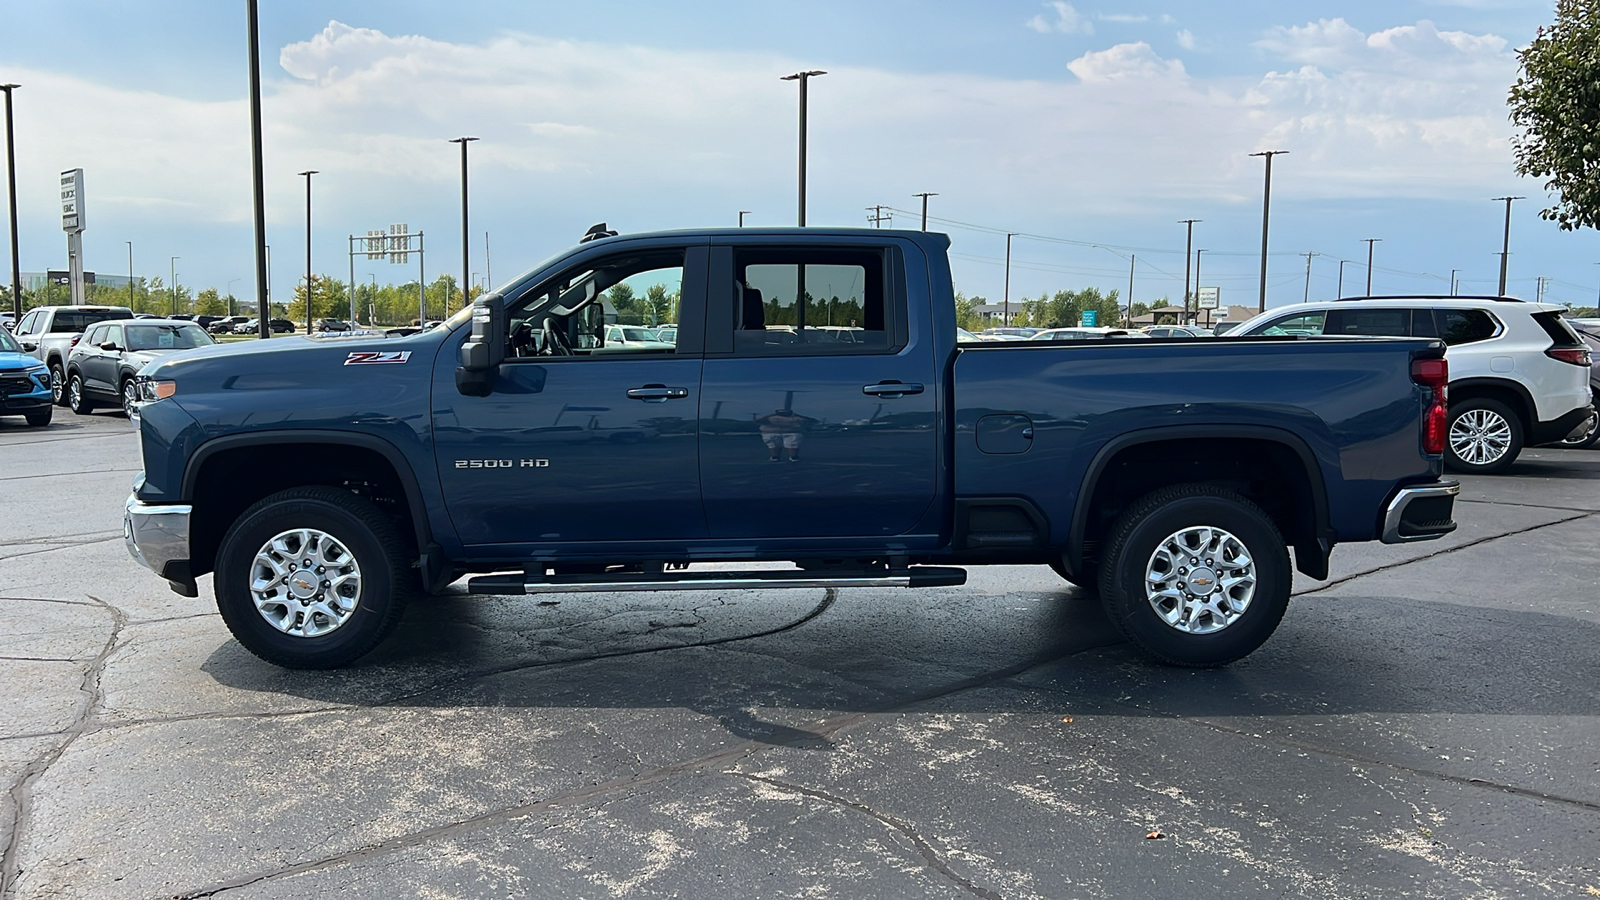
pixel 172 286
pixel 1370 242
pixel 1196 289
pixel 11 172
pixel 742 214
pixel 308 173
pixel 1007 294
pixel 257 178
pixel 1266 212
pixel 130 273
pixel 465 259
pixel 1505 246
pixel 1188 252
pixel 803 77
pixel 925 195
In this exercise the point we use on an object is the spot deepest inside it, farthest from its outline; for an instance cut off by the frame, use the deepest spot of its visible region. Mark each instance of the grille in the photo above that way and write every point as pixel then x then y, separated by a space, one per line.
pixel 16 384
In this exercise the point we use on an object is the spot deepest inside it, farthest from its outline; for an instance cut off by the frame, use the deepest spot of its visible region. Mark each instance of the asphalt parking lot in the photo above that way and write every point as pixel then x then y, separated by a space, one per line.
pixel 1426 724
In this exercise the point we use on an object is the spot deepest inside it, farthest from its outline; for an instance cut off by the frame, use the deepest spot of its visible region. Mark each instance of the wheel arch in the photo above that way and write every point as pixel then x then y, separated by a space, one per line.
pixel 1224 454
pixel 272 461
pixel 1512 393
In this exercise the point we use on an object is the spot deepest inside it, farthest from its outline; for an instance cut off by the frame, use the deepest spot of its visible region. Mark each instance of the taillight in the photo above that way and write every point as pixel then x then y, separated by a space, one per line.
pixel 75 339
pixel 1578 356
pixel 1433 374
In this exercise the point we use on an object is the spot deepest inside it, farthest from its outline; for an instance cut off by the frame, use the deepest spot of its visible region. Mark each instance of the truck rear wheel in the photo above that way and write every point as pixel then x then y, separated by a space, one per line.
pixel 1196 575
pixel 311 578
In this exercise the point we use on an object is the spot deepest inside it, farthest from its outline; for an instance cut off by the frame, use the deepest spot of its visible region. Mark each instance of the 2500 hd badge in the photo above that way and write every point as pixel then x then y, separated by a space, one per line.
pixel 502 463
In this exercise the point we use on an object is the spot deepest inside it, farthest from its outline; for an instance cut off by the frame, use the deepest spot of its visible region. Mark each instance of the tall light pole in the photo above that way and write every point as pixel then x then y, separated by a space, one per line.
pixel 742 214
pixel 925 195
pixel 1006 308
pixel 308 173
pixel 465 259
pixel 1370 242
pixel 130 273
pixel 1339 292
pixel 1266 218
pixel 1132 257
pixel 1505 246
pixel 263 328
pixel 11 174
pixel 172 287
pixel 1188 253
pixel 1306 298
pixel 803 77
pixel 1453 281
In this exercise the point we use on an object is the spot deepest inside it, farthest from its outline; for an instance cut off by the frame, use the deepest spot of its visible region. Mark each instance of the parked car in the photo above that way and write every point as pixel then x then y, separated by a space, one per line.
pixel 327 325
pixel 101 368
pixel 1175 482
pixel 280 326
pixel 1007 333
pixel 1166 331
pixel 1519 374
pixel 633 337
pixel 24 383
pixel 207 321
pixel 50 332
pixel 1086 333
pixel 227 325
pixel 1223 327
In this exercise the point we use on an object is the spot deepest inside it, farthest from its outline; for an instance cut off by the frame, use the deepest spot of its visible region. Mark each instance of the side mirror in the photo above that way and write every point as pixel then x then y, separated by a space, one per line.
pixel 29 346
pixel 484 349
pixel 109 345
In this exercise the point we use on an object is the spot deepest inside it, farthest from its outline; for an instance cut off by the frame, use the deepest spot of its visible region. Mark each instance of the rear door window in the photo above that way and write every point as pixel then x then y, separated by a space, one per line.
pixel 1305 323
pixel 72 321
pixel 813 301
pixel 1370 322
pixel 1465 326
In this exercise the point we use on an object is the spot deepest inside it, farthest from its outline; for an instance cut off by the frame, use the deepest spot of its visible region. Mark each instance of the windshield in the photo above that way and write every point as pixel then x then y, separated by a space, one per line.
pixel 167 337
pixel 72 321
pixel 8 344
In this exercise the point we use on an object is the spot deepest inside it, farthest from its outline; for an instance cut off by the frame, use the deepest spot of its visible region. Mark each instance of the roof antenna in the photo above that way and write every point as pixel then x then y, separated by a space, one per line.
pixel 595 233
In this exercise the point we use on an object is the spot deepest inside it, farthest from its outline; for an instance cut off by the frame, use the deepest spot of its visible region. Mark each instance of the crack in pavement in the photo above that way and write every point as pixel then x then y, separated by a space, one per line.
pixel 930 856
pixel 720 760
pixel 59 538
pixel 73 546
pixel 1438 553
pixel 51 600
pixel 63 474
pixel 75 437
pixel 1524 505
pixel 22 789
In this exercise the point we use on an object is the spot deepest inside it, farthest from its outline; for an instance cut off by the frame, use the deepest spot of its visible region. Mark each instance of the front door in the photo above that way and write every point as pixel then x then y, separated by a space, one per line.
pixel 817 418
pixel 580 442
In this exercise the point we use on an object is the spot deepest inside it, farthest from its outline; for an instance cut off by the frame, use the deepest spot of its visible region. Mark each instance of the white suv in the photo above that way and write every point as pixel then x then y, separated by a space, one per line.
pixel 1519 374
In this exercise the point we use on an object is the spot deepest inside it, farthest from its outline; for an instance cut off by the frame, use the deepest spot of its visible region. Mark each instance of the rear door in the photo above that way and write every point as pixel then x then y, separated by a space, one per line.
pixel 803 435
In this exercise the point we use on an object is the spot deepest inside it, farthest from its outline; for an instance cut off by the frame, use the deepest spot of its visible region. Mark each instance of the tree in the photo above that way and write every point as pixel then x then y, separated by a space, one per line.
pixel 1556 103
pixel 208 303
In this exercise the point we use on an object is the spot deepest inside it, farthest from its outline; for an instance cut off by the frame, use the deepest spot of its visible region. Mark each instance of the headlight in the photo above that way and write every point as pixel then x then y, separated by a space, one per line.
pixel 153 389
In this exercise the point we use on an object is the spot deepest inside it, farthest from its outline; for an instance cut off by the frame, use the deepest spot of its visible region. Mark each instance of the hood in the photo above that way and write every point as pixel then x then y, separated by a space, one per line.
pixel 16 362
pixel 288 354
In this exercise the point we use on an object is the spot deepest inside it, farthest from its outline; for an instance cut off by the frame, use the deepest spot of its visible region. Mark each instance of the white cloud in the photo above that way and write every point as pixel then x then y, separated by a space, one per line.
pixel 1123 18
pixel 1185 39
pixel 1067 20
pixel 1125 62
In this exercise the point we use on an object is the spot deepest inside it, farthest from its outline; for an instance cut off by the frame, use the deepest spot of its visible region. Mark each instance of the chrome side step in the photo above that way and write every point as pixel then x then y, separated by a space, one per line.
pixel 914 577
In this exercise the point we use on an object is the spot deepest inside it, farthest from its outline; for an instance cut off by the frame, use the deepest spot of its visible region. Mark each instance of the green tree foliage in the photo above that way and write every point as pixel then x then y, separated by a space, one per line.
pixel 1556 104
pixel 328 300
pixel 209 303
pixel 966 311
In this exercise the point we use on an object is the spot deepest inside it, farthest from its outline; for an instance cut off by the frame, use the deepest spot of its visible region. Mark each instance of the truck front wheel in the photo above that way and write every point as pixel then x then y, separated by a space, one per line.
pixel 311 578
pixel 1196 575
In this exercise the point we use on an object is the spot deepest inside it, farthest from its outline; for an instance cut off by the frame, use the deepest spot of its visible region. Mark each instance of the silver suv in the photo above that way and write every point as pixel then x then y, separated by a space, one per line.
pixel 1519 374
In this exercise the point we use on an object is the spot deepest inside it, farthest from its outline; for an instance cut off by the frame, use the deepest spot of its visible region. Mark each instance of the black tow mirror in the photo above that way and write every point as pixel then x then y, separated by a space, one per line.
pixel 484 349
pixel 29 346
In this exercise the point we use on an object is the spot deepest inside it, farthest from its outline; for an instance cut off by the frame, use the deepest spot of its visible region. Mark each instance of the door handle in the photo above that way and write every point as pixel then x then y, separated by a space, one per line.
pixel 891 389
pixel 657 393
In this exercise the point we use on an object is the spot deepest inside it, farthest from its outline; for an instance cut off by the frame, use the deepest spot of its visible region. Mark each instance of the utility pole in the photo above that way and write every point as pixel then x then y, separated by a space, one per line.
pixel 1453 281
pixel 11 173
pixel 1307 297
pixel 1006 309
pixel 130 273
pixel 803 78
pixel 1339 292
pixel 1370 242
pixel 1131 258
pixel 172 289
pixel 742 214
pixel 1266 212
pixel 1188 243
pixel 925 195
pixel 1505 245
pixel 488 274
pixel 308 173
pixel 1196 318
pixel 1538 296
pixel 466 260
pixel 878 218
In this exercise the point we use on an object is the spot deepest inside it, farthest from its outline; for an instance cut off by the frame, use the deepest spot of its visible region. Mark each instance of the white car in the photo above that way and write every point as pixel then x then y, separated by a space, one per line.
pixel 1519 374
pixel 1087 332
pixel 632 338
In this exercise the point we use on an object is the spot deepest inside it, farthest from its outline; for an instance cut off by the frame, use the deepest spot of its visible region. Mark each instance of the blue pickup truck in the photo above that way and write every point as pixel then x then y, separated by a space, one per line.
pixel 812 407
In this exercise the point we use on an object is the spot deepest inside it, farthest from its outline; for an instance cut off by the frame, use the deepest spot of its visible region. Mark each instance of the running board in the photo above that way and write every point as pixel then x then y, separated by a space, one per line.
pixel 766 580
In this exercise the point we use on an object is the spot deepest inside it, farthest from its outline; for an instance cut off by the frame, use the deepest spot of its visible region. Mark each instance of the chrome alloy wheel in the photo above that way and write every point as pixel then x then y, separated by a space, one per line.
pixel 305 582
pixel 130 398
pixel 1480 437
pixel 1200 580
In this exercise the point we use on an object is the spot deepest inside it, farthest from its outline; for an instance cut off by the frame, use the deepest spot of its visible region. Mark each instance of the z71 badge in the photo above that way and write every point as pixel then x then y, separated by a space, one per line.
pixel 377 357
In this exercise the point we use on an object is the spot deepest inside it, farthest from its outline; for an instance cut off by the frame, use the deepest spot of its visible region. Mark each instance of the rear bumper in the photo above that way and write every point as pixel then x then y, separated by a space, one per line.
pixel 1559 429
pixel 1421 513
pixel 157 537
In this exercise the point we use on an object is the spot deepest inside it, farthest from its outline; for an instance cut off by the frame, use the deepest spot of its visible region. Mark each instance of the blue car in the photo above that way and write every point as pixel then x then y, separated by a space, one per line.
pixel 24 383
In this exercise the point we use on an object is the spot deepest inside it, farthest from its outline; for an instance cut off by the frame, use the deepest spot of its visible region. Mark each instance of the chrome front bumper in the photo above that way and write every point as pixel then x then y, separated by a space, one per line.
pixel 157 535
pixel 1420 513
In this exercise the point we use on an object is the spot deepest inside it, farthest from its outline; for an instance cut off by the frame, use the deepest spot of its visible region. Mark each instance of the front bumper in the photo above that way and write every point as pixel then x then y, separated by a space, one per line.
pixel 1421 513
pixel 157 537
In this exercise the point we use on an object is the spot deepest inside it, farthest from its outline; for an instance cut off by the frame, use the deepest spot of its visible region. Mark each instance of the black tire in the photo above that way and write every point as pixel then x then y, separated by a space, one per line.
pixel 1502 434
pixel 127 393
pixel 40 418
pixel 58 384
pixel 1141 530
pixel 77 400
pixel 370 537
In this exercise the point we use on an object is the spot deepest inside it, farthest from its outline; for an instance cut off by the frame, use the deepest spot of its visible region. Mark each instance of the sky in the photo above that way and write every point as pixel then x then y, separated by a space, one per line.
pixel 1087 129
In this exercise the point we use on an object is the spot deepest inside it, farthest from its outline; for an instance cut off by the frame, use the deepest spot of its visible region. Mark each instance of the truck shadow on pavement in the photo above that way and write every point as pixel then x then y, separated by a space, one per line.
pixel 1331 656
